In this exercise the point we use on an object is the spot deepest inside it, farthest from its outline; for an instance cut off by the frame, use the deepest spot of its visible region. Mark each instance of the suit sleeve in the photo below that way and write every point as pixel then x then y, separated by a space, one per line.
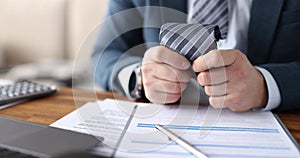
pixel 116 38
pixel 287 76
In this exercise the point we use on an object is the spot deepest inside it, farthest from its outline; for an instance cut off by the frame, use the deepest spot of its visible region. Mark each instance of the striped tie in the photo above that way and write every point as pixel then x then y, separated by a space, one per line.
pixel 212 12
pixel 189 40
pixel 200 36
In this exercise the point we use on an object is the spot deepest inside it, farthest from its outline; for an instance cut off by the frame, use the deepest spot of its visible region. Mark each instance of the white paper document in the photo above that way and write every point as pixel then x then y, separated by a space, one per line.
pixel 129 128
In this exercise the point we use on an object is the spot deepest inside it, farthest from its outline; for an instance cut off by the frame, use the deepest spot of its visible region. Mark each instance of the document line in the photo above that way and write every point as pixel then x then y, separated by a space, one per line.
pixel 219 155
pixel 216 145
pixel 232 129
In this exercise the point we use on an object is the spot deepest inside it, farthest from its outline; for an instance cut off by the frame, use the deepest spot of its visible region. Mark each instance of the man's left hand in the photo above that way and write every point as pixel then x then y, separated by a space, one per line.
pixel 231 81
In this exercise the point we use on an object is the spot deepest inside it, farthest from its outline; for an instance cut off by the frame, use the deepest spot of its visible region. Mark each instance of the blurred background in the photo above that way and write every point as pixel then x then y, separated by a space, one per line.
pixel 39 39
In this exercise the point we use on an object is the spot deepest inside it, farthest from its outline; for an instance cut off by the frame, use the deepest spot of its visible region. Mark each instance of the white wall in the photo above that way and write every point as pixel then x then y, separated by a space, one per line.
pixel 31 30
pixel 83 16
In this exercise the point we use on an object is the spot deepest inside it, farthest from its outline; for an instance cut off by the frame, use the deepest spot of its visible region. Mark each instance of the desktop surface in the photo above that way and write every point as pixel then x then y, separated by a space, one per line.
pixel 48 110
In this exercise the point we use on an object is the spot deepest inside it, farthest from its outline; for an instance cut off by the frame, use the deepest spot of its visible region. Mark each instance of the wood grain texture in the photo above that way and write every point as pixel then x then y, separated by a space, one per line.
pixel 292 121
pixel 48 110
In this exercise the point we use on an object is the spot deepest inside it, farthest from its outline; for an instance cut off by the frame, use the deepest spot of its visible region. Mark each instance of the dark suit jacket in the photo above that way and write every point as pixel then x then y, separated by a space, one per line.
pixel 273 40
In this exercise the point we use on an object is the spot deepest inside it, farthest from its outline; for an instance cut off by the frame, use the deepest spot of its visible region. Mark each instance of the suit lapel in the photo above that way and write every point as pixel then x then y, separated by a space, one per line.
pixel 265 15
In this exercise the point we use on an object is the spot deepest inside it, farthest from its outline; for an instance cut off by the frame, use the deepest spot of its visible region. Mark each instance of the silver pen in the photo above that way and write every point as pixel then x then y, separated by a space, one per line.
pixel 172 136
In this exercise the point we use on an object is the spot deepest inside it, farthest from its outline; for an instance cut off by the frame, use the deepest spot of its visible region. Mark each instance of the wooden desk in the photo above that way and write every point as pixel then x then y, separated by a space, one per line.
pixel 48 110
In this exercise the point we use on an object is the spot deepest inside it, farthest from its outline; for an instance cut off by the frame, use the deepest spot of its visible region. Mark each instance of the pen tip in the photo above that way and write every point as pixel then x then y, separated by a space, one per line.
pixel 157 126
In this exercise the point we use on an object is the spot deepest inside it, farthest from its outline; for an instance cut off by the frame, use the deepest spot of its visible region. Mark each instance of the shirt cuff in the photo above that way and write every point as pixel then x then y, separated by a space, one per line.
pixel 274 98
pixel 124 76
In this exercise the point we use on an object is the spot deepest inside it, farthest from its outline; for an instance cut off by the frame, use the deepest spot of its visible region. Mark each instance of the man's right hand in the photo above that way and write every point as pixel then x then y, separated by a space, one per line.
pixel 165 75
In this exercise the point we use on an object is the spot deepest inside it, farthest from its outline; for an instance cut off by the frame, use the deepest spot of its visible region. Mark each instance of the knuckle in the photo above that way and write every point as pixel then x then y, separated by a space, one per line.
pixel 215 60
pixel 239 53
pixel 150 53
pixel 236 53
pixel 154 53
pixel 182 76
pixel 238 72
pixel 211 63
pixel 146 69
pixel 147 83
pixel 176 88
pixel 158 52
pixel 241 73
pixel 175 75
pixel 171 75
pixel 214 53
pixel 157 55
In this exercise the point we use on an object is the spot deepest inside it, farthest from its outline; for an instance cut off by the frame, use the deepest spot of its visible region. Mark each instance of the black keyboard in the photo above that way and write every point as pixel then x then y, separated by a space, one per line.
pixel 24 90
pixel 6 153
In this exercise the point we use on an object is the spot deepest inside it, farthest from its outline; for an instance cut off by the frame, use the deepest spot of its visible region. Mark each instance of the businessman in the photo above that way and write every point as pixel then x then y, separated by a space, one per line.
pixel 257 65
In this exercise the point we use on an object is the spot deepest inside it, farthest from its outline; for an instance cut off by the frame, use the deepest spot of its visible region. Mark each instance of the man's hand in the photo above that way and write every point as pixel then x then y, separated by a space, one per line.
pixel 230 80
pixel 165 75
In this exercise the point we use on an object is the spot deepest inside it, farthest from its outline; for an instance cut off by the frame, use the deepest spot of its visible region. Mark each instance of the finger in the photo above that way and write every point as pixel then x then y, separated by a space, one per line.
pixel 161 97
pixel 215 59
pixel 161 54
pixel 170 87
pixel 213 77
pixel 228 101
pixel 166 72
pixel 218 102
pixel 217 90
pixel 164 86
